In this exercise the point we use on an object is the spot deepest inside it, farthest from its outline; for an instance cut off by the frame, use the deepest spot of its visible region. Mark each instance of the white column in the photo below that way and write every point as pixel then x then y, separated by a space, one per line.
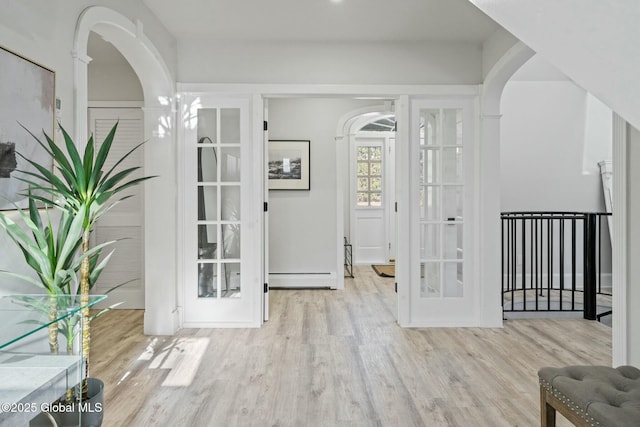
pixel 161 225
pixel 619 258
pixel 630 301
pixel 340 173
pixel 489 221
pixel 405 256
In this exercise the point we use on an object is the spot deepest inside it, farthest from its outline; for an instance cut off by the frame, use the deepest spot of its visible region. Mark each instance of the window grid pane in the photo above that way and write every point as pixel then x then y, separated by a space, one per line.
pixel 369 176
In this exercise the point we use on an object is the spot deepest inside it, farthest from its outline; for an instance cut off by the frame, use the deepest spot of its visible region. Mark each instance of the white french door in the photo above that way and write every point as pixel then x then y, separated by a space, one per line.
pixel 442 284
pixel 222 286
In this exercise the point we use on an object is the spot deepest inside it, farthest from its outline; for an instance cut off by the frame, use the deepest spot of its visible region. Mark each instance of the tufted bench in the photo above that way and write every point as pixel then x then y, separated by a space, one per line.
pixel 590 395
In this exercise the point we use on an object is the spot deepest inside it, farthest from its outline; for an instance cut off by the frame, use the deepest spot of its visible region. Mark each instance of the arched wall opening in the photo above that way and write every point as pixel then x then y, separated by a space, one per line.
pixel 347 125
pixel 489 185
pixel 160 157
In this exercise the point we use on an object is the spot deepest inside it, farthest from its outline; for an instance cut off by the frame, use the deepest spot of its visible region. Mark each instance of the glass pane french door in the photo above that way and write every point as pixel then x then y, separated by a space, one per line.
pixel 219 205
pixel 217 151
pixel 441 203
pixel 442 294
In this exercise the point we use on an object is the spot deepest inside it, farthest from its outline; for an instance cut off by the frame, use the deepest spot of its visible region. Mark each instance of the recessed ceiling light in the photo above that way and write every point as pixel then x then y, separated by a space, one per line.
pixel 336 1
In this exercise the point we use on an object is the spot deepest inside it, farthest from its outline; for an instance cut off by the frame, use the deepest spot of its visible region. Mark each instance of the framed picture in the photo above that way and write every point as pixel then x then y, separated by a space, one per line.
pixel 289 165
pixel 27 98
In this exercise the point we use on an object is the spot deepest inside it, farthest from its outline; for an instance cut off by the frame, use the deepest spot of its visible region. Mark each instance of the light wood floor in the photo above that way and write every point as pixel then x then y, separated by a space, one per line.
pixel 335 358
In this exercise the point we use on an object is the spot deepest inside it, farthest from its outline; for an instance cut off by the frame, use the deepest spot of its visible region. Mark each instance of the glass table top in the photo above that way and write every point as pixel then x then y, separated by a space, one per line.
pixel 23 315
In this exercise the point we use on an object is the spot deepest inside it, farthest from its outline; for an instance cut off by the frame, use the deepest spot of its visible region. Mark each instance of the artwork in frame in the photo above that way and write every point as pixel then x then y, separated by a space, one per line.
pixel 27 98
pixel 289 165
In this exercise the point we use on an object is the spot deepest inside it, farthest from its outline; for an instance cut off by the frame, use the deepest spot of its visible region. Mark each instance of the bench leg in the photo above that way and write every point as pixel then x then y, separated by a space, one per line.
pixel 547 412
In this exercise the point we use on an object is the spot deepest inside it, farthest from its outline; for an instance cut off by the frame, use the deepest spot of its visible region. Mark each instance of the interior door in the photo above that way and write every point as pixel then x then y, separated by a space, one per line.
pixel 369 200
pixel 125 220
pixel 442 291
pixel 223 284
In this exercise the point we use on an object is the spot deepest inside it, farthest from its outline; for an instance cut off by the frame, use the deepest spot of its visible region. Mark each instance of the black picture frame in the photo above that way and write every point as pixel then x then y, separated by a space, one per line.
pixel 289 164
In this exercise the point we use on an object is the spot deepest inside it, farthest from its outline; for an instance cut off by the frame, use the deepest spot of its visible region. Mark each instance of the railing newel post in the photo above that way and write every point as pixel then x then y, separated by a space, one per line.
pixel 589 286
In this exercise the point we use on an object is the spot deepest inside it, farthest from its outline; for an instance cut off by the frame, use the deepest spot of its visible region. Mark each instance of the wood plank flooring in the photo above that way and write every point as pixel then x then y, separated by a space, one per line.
pixel 335 358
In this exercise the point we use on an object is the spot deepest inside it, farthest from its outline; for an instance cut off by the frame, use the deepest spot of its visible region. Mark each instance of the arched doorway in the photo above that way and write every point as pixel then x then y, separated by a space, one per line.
pixel 115 96
pixel 348 124
pixel 160 240
pixel 372 188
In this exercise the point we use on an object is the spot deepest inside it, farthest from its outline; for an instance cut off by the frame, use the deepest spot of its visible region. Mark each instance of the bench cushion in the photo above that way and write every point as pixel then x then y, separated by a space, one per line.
pixel 600 394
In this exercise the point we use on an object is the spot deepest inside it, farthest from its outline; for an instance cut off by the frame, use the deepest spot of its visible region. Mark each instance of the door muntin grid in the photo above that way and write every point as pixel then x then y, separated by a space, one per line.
pixel 441 202
pixel 219 208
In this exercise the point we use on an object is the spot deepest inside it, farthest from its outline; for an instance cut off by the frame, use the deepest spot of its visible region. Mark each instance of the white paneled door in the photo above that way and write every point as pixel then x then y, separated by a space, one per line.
pixel 124 222
pixel 369 200
pixel 222 285
pixel 373 196
pixel 442 285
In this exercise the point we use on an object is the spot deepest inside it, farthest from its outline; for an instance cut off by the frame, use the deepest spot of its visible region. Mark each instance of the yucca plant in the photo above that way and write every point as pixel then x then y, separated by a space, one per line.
pixel 53 256
pixel 85 191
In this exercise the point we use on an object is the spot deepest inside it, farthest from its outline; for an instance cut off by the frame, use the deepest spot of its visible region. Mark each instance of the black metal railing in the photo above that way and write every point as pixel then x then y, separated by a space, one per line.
pixel 552 261
pixel 348 259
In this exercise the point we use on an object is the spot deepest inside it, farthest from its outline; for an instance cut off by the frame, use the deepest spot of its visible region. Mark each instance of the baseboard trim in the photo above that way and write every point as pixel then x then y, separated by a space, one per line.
pixel 303 280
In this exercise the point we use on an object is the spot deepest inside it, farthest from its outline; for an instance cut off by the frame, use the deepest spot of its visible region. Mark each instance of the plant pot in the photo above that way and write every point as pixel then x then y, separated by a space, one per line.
pixel 67 415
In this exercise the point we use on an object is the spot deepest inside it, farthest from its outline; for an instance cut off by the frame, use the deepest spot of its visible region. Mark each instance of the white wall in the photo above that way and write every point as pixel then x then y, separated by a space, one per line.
pixel 330 63
pixel 552 136
pixel 302 228
pixel 113 82
pixel 110 77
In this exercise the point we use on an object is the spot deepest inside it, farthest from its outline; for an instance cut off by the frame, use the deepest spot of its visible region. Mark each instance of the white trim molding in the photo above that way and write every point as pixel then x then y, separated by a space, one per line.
pixel 619 245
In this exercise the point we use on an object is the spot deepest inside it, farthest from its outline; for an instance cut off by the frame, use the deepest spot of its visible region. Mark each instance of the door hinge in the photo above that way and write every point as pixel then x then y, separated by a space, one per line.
pixel 396 287
pixel 265 126
pixel 266 288
pixel 396 207
pixel 266 207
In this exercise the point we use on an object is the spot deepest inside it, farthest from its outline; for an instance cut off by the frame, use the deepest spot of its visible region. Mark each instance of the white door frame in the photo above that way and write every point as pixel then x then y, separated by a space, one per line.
pixel 261 104
pixel 384 92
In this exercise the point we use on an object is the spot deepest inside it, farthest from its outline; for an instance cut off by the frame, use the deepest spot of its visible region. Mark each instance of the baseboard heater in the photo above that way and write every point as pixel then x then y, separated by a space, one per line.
pixel 302 280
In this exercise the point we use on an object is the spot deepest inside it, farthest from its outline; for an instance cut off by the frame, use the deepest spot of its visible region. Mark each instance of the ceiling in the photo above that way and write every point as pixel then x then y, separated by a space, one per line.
pixel 324 20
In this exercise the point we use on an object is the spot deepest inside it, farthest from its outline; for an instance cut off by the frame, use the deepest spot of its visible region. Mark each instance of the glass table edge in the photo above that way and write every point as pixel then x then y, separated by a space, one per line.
pixel 68 312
